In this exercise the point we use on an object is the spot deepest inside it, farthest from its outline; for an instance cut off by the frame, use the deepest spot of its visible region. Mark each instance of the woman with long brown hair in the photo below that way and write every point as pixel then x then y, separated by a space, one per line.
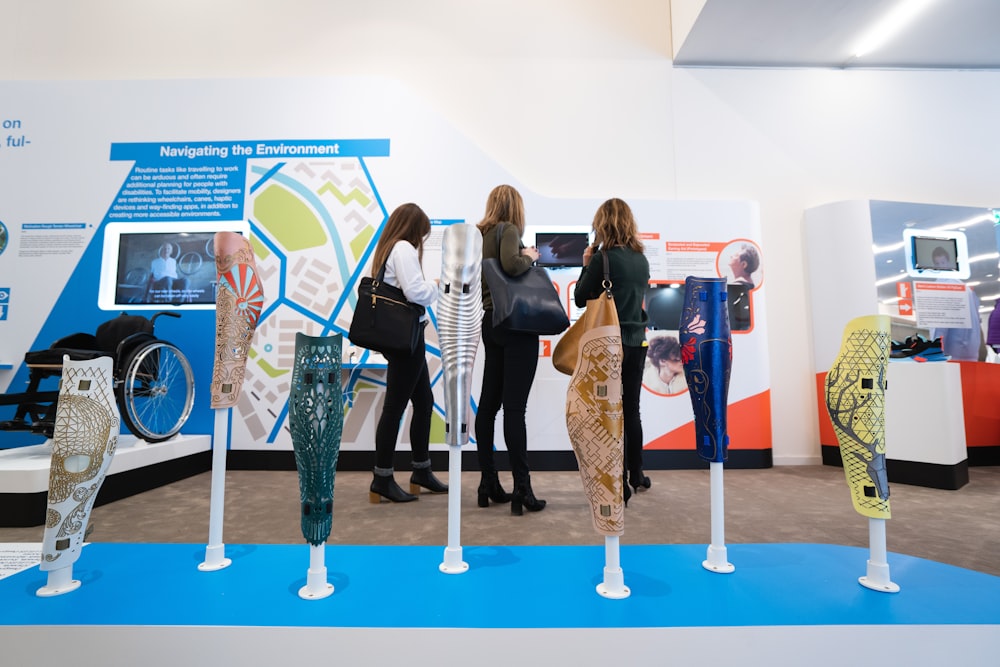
pixel 400 249
pixel 616 241
pixel 510 361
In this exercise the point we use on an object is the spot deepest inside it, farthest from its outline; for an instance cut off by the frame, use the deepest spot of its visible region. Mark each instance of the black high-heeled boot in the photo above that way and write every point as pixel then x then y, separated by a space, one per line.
pixel 384 486
pixel 490 489
pixel 423 477
pixel 639 481
pixel 626 492
pixel 524 499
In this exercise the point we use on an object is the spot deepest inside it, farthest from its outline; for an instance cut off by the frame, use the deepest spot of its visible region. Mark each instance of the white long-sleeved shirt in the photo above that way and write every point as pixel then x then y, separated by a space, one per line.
pixel 403 270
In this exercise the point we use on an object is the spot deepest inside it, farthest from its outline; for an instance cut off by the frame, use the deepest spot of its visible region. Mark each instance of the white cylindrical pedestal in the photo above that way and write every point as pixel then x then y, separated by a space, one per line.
pixel 716 557
pixel 877 576
pixel 215 552
pixel 317 587
pixel 60 581
pixel 453 563
pixel 613 586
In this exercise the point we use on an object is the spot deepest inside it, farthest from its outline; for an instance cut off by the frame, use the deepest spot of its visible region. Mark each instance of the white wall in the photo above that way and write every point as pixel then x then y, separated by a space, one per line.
pixel 579 98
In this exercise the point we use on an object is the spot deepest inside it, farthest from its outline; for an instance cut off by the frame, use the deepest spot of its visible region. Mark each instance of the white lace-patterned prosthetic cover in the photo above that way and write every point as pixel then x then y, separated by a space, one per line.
pixel 238 303
pixel 594 420
pixel 83 443
pixel 459 315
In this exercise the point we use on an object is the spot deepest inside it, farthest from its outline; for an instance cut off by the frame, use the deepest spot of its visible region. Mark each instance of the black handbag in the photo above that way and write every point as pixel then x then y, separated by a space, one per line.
pixel 528 303
pixel 384 321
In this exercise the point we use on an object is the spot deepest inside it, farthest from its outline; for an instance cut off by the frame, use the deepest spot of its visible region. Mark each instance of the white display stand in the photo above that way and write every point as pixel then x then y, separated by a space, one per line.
pixel 215 552
pixel 923 413
pixel 317 587
pixel 716 558
pixel 613 586
pixel 877 576
pixel 453 563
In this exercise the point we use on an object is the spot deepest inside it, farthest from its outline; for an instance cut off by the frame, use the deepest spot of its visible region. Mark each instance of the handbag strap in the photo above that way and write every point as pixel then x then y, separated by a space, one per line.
pixel 381 274
pixel 607 284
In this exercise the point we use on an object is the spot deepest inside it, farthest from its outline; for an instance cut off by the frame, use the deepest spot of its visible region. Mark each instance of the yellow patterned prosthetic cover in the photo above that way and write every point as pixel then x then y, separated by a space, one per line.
pixel 84 438
pixel 595 423
pixel 855 399
pixel 239 300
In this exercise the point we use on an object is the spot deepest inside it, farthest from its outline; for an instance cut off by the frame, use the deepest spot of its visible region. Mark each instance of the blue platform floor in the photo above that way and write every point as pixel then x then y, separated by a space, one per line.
pixel 506 587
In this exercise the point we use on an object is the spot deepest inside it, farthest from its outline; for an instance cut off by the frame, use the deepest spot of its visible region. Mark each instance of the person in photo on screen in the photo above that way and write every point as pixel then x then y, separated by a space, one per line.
pixel 743 263
pixel 941 259
pixel 407 380
pixel 616 241
pixel 665 370
pixel 511 359
pixel 166 284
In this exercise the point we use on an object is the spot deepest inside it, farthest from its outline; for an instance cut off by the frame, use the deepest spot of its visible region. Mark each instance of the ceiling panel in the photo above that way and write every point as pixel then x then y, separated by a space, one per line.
pixel 949 34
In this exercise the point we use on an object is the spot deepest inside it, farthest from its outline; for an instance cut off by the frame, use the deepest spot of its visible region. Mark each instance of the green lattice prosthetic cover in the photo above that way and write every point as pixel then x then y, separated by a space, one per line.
pixel 316 419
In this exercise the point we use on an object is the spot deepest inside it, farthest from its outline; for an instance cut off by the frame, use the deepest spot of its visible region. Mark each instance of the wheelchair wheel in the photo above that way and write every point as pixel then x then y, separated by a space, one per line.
pixel 156 391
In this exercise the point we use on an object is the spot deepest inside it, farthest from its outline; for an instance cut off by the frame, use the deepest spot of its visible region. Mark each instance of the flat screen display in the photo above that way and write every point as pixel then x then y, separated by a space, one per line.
pixel 559 249
pixel 159 265
pixel 664 304
pixel 938 254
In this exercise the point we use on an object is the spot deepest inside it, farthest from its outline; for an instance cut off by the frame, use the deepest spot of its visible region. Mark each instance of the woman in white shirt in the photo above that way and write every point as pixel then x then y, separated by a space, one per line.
pixel 400 249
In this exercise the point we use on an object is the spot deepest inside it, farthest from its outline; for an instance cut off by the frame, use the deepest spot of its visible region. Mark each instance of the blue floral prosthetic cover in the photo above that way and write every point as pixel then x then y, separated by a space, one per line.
pixel 707 354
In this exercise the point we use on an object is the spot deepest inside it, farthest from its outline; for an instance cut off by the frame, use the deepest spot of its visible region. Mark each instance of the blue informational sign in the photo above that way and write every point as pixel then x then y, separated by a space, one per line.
pixel 4 301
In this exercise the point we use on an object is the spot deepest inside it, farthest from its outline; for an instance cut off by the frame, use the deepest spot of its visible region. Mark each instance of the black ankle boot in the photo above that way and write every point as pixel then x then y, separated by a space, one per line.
pixel 524 497
pixel 384 486
pixel 423 477
pixel 626 492
pixel 490 489
pixel 639 481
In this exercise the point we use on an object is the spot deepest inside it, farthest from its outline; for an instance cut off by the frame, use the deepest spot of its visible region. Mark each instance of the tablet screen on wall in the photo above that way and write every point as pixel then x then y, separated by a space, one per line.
pixel 160 265
pixel 664 304
pixel 936 254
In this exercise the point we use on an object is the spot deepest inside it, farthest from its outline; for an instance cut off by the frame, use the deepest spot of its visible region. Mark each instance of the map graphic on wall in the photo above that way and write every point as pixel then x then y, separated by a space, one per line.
pixel 314 207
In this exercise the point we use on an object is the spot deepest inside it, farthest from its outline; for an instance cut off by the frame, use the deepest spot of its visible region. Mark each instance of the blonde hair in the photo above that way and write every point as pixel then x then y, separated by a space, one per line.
pixel 614 226
pixel 407 223
pixel 504 204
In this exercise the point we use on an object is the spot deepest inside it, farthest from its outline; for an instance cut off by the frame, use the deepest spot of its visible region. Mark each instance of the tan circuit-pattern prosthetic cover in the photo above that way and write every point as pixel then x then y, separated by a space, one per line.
pixel 855 399
pixel 84 438
pixel 594 420
pixel 238 304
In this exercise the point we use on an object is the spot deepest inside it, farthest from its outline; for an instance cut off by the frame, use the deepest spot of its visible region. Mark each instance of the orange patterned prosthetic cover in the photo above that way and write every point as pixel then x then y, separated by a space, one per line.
pixel 238 303
pixel 595 423
pixel 855 399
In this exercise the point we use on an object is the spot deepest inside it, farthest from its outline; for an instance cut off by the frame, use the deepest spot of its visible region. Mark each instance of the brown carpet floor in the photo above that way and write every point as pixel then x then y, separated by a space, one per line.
pixel 782 504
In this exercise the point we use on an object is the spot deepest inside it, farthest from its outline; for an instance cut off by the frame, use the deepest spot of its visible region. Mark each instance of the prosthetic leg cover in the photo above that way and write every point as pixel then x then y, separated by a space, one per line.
pixel 316 418
pixel 707 354
pixel 855 399
pixel 238 303
pixel 83 443
pixel 459 316
pixel 595 421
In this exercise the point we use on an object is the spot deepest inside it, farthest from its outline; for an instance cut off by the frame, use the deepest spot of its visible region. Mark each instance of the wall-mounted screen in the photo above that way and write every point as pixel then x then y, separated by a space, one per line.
pixel 151 265
pixel 560 249
pixel 936 254
pixel 664 304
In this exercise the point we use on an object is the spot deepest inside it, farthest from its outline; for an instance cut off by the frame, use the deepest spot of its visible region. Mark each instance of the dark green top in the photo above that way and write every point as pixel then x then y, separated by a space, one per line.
pixel 629 278
pixel 509 253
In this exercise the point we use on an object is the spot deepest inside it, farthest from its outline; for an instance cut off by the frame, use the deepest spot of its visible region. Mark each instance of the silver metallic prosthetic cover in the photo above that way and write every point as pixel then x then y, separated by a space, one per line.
pixel 459 314
pixel 83 443
pixel 595 423
pixel 316 419
pixel 238 304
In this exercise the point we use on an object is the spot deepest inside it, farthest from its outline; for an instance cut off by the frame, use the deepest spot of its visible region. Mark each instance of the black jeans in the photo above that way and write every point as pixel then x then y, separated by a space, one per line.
pixel 508 371
pixel 406 381
pixel 633 362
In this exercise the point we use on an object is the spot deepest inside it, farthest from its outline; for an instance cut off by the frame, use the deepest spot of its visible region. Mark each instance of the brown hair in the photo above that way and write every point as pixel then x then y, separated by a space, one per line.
pixel 504 204
pixel 664 348
pixel 407 223
pixel 614 226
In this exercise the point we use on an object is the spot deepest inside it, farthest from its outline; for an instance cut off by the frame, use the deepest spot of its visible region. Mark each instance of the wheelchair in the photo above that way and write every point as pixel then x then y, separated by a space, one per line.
pixel 153 381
